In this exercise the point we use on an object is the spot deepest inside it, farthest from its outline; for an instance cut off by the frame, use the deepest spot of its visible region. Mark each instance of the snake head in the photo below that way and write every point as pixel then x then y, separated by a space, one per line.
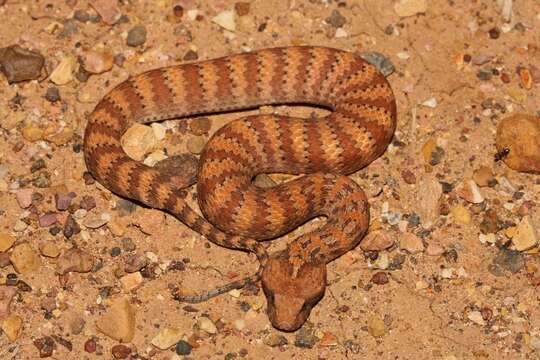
pixel 291 297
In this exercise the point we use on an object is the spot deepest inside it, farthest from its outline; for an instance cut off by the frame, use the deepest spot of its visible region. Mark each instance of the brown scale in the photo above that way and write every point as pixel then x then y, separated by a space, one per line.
pixel 238 214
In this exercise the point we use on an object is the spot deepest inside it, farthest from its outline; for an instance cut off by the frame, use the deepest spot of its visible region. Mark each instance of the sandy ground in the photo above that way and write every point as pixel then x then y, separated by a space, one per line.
pixel 453 297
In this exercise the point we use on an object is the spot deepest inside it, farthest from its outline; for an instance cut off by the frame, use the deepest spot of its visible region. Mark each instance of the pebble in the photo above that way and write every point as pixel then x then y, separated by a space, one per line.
pixel 428 196
pixel 469 191
pixel 76 324
pixel 182 169
pixel 382 262
pixel 20 226
pixel 167 337
pixel 207 325
pixel 380 278
pixel 24 197
pixel 376 327
pixel 95 222
pixel 518 136
pixel 97 62
pixel 434 249
pixel 226 19
pixel 476 317
pixel 47 219
pixel 63 200
pixel 6 242
pixel 90 346
pixel 195 144
pixel 49 249
pixel 63 73
pixel 6 296
pixel 25 259
pixel 481 59
pixel 200 126
pixel 526 236
pixel 508 260
pixel 534 342
pixel 135 263
pixel 411 243
pixel 183 348
pixel 120 351
pixel 405 8
pixel 430 103
pixel 275 340
pixel 20 64
pixel 461 214
pixel 75 260
pixel 376 241
pixel 138 140
pixel 32 133
pixel 108 10
pixel 380 61
pixel 483 176
pixel 447 273
pixel 136 36
pixel 118 322
pixel 45 345
pixel 131 281
pixel 12 326
pixel 336 19
pixel 305 337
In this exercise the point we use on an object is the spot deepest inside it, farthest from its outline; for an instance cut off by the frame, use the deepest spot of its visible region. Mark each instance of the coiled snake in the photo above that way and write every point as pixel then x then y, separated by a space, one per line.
pixel 237 213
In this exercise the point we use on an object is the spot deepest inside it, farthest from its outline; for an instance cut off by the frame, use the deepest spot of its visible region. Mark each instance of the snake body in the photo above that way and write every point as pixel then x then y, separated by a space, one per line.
pixel 237 213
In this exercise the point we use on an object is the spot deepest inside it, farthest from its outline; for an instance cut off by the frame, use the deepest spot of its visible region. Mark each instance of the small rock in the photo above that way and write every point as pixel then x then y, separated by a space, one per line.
pixel 434 250
pixel 138 140
pixel 118 322
pixel 136 36
pixel 476 317
pixel 45 345
pixel 430 103
pixel 517 139
pixel 207 325
pixel 328 339
pixel 6 242
pixel 75 260
pixel 95 222
pixel 525 236
pixel 25 259
pixel 481 59
pixel 242 8
pixel 225 19
pixel 461 214
pixel 63 200
pixel 336 19
pixel 97 62
pixel 469 191
pixel 405 8
pixel 305 337
pixel 49 249
pixel 90 346
pixel 49 219
pixel 275 340
pixel 376 326
pixel 195 144
pixel 108 10
pixel 376 241
pixel 483 176
pixel 380 278
pixel 131 281
pixel 534 342
pixel 76 324
pixel 507 260
pixel 167 337
pixel 120 351
pixel 32 133
pixel 183 348
pixel 411 243
pixel 428 195
pixel 63 73
pixel 6 296
pixel 24 197
pixel 12 326
pixel 19 64
pixel 135 263
pixel 381 62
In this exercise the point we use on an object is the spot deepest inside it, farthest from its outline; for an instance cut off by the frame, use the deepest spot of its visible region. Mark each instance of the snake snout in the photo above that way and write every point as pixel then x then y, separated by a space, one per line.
pixel 290 298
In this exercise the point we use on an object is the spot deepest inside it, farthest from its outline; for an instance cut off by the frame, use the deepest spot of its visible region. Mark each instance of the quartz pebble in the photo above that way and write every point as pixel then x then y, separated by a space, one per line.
pixel 24 197
pixel 63 73
pixel 469 191
pixel 225 19
pixel 405 8
pixel 476 317
pixel 207 325
pixel 138 140
pixel 97 62
pixel 411 243
pixel 526 236
pixel 167 337
pixel 118 322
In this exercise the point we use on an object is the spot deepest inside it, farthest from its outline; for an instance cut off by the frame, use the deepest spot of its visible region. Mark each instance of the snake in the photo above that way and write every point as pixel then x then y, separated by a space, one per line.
pixel 235 212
